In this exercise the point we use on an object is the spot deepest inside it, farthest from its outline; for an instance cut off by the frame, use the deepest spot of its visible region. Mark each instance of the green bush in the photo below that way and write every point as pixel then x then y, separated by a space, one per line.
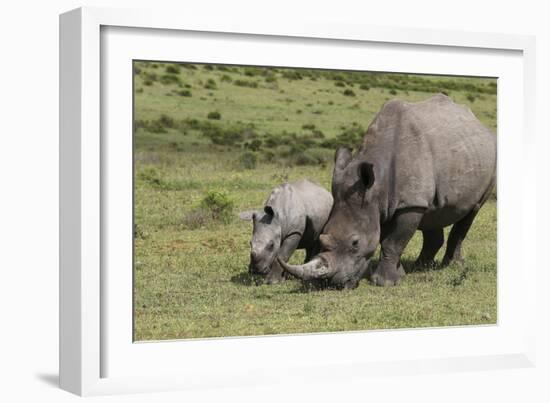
pixel 292 75
pixel 150 77
pixel 168 79
pixel 471 97
pixel 214 115
pixel 166 121
pixel 248 160
pixel 246 83
pixel 349 93
pixel 339 84
pixel 254 145
pixel 210 85
pixel 364 87
pixel 226 79
pixel 393 92
pixel 172 69
pixel 351 136
pixel 219 204
pixel 184 93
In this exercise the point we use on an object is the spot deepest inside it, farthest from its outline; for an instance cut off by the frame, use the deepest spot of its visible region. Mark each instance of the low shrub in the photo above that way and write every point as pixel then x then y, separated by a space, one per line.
pixel 351 136
pixel 393 92
pixel 248 160
pixel 210 84
pixel 269 156
pixel 246 83
pixel 292 75
pixel 339 84
pixel 226 79
pixel 364 87
pixel 172 69
pixel 471 97
pixel 157 125
pixel 214 115
pixel 153 178
pixel 349 92
pixel 150 76
pixel 166 121
pixel 219 204
pixel 254 145
pixel 184 93
pixel 168 79
pixel 252 71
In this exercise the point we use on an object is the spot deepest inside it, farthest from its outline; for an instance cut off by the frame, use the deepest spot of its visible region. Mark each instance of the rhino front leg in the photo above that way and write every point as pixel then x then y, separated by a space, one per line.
pixel 402 227
pixel 277 273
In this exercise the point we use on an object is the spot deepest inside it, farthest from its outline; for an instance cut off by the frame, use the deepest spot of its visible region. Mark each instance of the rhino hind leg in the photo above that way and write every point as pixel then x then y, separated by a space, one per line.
pixel 460 229
pixel 433 240
pixel 403 226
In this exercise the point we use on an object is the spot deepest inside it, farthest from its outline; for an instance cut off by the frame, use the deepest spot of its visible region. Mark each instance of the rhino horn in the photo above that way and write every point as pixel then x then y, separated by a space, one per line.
pixel 314 269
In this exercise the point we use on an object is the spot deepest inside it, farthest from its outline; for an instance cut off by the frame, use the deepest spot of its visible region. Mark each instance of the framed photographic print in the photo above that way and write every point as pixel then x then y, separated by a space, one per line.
pixel 257 204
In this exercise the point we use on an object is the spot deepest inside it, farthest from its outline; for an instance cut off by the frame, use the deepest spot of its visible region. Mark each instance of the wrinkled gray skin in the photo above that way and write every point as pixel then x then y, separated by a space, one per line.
pixel 293 218
pixel 421 166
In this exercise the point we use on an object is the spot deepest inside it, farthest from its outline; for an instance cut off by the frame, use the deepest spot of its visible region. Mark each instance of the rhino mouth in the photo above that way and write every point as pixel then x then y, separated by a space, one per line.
pixel 258 270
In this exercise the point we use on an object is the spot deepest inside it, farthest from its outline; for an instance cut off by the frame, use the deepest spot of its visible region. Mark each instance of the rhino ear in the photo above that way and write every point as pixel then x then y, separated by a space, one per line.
pixel 248 215
pixel 269 211
pixel 342 158
pixel 366 173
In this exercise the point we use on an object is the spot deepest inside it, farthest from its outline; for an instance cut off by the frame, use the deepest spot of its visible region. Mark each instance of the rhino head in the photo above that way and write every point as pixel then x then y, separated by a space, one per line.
pixel 266 239
pixel 352 232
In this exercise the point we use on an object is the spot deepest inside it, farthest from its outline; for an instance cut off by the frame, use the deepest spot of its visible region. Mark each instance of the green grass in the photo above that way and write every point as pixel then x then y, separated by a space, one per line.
pixel 191 280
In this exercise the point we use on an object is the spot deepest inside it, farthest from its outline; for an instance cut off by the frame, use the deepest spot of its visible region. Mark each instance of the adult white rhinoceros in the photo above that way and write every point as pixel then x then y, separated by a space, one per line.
pixel 424 165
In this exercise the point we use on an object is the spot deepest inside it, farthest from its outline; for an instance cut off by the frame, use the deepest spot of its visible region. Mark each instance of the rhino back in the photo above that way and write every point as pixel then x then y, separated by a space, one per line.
pixel 434 154
pixel 300 204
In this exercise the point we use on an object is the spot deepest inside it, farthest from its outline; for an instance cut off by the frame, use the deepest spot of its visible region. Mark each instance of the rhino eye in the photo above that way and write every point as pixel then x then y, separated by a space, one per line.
pixel 270 246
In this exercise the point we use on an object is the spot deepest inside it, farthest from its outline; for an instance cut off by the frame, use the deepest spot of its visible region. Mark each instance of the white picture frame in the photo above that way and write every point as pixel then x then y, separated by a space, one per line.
pixel 97 355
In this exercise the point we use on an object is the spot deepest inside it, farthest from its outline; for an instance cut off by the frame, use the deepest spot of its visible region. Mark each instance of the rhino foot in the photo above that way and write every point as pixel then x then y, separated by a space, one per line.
pixel 275 277
pixel 386 277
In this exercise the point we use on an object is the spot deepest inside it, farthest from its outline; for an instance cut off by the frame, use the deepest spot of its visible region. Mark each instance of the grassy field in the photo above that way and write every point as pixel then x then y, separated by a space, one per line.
pixel 211 141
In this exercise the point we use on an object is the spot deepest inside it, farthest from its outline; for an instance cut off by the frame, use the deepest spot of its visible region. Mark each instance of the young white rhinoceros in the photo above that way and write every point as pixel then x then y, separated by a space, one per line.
pixel 293 218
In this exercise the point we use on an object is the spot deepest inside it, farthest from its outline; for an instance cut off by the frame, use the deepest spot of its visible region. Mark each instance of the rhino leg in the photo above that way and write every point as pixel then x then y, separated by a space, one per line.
pixel 402 227
pixel 432 241
pixel 459 231
pixel 277 273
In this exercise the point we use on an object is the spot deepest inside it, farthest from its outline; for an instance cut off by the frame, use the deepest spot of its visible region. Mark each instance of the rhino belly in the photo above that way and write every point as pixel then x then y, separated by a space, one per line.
pixel 443 217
